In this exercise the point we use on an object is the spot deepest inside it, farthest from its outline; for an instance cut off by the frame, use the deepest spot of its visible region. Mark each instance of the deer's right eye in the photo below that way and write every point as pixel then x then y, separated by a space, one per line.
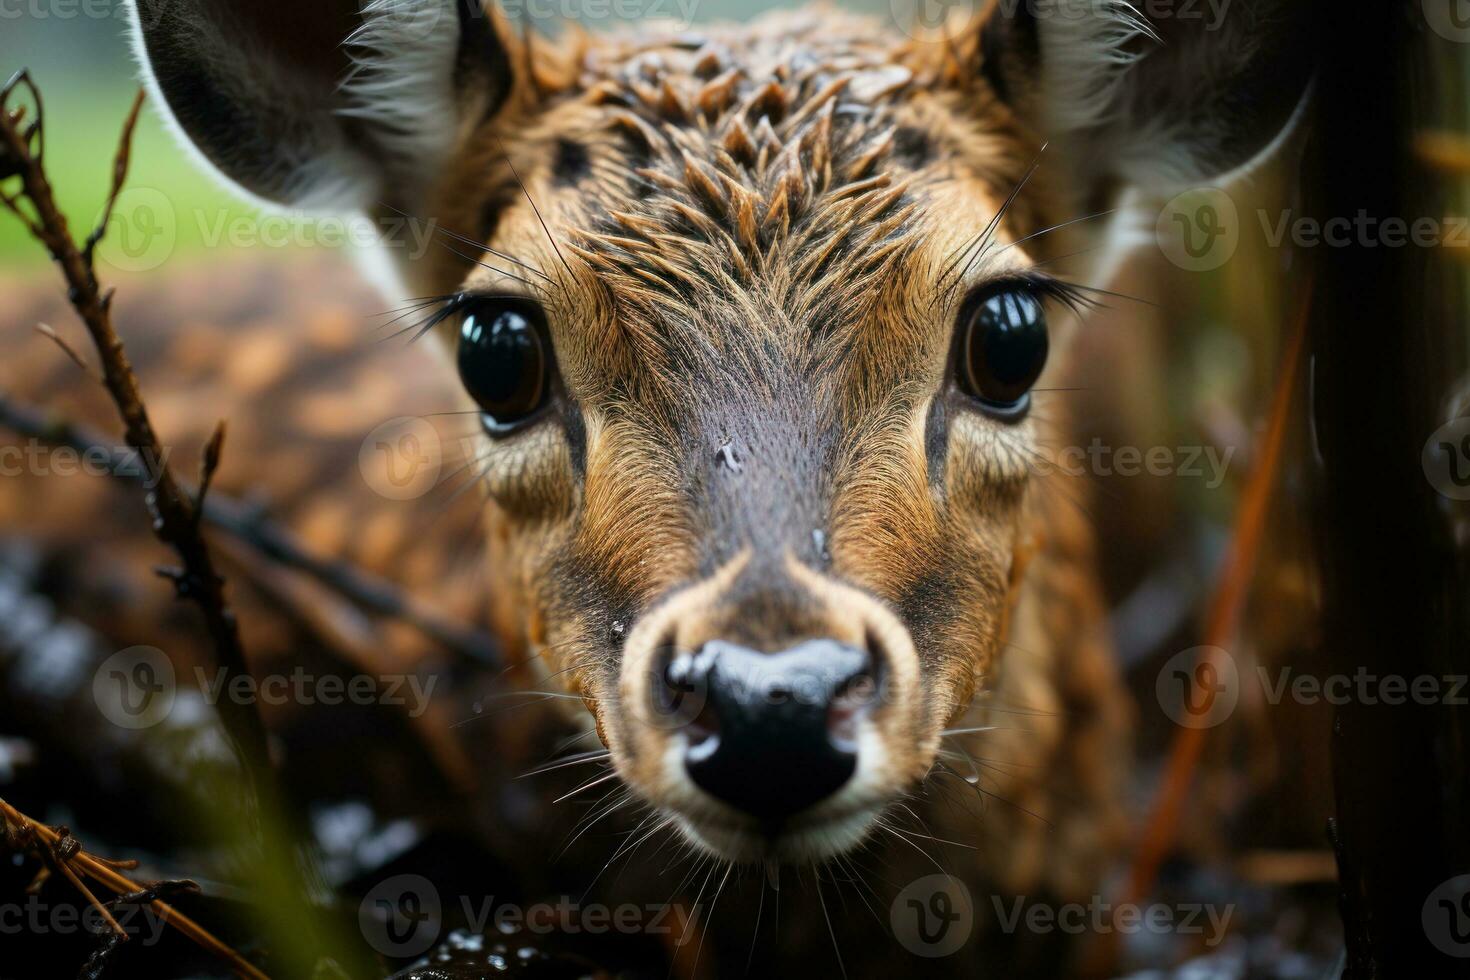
pixel 505 362
pixel 1003 348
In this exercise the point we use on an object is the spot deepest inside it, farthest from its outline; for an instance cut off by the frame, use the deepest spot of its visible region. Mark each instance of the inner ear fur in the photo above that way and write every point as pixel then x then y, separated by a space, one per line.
pixel 1191 93
pixel 323 104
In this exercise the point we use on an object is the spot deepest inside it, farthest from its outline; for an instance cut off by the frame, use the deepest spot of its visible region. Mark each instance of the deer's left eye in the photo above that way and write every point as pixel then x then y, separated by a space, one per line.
pixel 505 361
pixel 1002 348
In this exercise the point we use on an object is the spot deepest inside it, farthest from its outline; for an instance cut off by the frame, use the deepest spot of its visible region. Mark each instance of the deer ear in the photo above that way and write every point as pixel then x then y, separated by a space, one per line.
pixel 1182 93
pixel 322 103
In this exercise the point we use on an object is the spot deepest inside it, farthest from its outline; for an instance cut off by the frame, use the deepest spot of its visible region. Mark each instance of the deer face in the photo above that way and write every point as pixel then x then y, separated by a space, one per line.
pixel 751 322
pixel 767 453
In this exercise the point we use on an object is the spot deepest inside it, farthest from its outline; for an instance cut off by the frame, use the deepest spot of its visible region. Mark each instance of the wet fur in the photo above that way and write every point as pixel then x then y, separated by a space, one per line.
pixel 743 268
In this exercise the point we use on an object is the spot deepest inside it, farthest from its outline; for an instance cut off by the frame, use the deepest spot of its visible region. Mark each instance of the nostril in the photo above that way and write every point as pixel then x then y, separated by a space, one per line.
pixel 681 694
pixel 857 695
pixel 877 652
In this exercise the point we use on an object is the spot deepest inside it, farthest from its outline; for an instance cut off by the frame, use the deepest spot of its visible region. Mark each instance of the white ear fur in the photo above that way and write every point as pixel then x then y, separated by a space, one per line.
pixel 402 80
pixel 1161 101
pixel 1084 53
pixel 1133 223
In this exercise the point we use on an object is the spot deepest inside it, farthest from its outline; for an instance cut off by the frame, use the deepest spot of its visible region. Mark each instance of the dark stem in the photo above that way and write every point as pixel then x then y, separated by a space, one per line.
pixel 172 509
pixel 1388 345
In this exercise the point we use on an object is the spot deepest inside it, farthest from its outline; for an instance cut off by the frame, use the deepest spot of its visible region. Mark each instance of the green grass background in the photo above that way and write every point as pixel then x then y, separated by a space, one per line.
pixel 82 130
pixel 78 55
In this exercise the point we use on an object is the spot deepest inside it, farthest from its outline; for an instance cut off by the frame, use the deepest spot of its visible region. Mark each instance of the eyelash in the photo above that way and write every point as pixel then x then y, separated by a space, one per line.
pixel 1043 286
pixel 449 305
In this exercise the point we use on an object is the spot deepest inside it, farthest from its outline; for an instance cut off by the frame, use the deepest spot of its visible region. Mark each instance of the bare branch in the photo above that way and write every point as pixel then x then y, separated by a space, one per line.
pixel 1226 607
pixel 62 850
pixel 173 510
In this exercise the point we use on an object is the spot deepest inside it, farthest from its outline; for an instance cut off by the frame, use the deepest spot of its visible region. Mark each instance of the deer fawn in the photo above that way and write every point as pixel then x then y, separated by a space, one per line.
pixel 752 321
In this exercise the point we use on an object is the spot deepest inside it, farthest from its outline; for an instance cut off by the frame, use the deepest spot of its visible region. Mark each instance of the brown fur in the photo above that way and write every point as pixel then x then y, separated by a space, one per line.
pixel 746 249
pixel 751 265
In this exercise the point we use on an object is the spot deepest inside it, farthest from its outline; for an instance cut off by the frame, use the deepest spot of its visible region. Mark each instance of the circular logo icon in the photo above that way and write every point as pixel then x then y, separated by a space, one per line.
pixel 933 916
pixel 134 688
pixel 1199 687
pixel 1199 229
pixel 1450 19
pixel 400 459
pixel 1446 459
pixel 400 916
pixel 1446 917
pixel 931 19
pixel 141 231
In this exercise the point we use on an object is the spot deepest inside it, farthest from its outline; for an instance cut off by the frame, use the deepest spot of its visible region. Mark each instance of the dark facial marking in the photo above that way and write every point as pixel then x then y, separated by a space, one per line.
pixel 500 198
pixel 936 437
pixel 1008 43
pixel 925 604
pixel 479 46
pixel 571 162
pixel 576 429
pixel 913 146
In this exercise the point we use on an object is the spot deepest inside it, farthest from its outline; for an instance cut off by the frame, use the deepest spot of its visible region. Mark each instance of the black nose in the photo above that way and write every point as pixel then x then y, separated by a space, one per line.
pixel 776 732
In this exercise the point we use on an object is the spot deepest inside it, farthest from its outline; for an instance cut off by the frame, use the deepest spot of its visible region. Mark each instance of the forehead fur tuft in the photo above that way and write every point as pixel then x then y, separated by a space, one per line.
pixel 772 156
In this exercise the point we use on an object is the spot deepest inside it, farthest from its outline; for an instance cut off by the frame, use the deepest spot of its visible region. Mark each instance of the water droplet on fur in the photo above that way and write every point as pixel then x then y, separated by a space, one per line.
pixel 819 540
pixel 727 457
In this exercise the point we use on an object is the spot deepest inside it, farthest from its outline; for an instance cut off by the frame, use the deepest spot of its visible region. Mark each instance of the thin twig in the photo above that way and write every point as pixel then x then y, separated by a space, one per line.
pixel 176 512
pixel 103 872
pixel 207 467
pixel 63 864
pixel 1223 620
pixel 49 332
pixel 173 510
pixel 119 177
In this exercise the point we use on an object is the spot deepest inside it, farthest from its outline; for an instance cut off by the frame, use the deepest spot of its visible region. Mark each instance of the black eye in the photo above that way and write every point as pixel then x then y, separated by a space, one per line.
pixel 504 361
pixel 1002 348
